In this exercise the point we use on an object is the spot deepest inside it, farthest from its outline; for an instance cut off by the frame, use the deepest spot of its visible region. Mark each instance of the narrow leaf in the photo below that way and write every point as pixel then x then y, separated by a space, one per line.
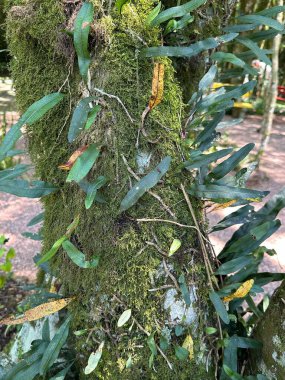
pixel 83 164
pixel 262 20
pixel 68 165
pixel 22 188
pixel 206 159
pixel 220 307
pixel 92 190
pixel 254 48
pixel 92 116
pixel 37 219
pixel 234 265
pixel 152 15
pixel 146 183
pixel 82 26
pixel 78 257
pixel 208 79
pixel 94 359
pixel 79 118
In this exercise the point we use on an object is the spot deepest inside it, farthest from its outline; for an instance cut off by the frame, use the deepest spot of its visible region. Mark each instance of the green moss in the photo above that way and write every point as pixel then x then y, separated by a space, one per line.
pixel 128 264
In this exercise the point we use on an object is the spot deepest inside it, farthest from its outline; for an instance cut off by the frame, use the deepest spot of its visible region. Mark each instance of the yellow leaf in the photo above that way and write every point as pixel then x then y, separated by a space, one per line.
pixel 188 344
pixel 241 292
pixel 223 205
pixel 37 312
pixel 68 165
pixel 157 85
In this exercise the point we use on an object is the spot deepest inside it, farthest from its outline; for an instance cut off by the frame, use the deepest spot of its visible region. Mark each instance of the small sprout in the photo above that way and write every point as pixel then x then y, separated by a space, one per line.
pixel 176 244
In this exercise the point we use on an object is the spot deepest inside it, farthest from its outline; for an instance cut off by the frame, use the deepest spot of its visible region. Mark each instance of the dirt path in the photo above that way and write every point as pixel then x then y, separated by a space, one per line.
pixel 17 212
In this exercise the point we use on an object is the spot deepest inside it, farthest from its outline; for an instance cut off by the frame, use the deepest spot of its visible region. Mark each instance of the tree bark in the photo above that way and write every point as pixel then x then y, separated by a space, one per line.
pixel 134 271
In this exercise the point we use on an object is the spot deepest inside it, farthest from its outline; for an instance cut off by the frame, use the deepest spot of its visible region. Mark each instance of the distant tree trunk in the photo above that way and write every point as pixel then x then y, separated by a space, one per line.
pixel 271 332
pixel 270 101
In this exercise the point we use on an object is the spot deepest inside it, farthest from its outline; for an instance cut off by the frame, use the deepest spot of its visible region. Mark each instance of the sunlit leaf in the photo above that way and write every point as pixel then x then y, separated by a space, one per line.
pixel 82 26
pixel 124 317
pixel 120 3
pixel 92 116
pixel 78 257
pixel 241 292
pixel 94 359
pixel 175 245
pixel 37 312
pixel 188 344
pixel 152 15
pixel 146 183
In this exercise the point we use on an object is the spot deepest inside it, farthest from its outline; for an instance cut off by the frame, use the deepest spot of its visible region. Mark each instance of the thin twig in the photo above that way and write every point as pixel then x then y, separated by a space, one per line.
pixel 161 288
pixel 118 100
pixel 170 275
pixel 171 222
pixel 166 208
pixel 157 247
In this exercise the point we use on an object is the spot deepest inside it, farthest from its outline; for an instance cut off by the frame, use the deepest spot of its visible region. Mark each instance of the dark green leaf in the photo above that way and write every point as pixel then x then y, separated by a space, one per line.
pixel 181 353
pixel 220 307
pixel 272 11
pixel 146 183
pixel 82 25
pixel 51 353
pixel 32 236
pixel 83 164
pixel 178 11
pixel 46 331
pixel 184 289
pixel 78 257
pixel 61 375
pixel 208 79
pixel 232 374
pixel 262 20
pixel 254 48
pixel 33 114
pixel 188 51
pixel 233 59
pixel 37 219
pixel 79 118
pixel 234 265
pixel 22 188
pixel 238 28
pixel 242 215
pixel 13 172
pixel 47 256
pixel 209 130
pixel 92 190
pixel 92 116
pixel 228 165
pixel 205 159
pixel 217 192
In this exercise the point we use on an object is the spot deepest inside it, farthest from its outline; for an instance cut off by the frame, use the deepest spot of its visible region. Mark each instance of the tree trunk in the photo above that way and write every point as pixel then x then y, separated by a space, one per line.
pixel 134 271
pixel 270 101
pixel 271 332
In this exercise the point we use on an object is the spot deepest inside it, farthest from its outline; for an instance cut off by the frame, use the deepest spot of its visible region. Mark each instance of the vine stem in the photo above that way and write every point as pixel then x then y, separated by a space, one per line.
pixel 204 251
pixel 118 100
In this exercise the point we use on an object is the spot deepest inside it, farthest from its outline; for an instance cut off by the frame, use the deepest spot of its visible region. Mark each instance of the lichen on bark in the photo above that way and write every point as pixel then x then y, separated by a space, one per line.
pixel 44 61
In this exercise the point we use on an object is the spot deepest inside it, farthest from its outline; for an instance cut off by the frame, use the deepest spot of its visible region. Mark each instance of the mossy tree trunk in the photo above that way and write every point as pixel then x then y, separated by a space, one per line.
pixel 134 272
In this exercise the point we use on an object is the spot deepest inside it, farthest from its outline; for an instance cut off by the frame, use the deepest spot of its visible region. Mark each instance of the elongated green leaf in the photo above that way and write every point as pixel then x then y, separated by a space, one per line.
pixel 83 164
pixel 47 256
pixel 272 11
pixel 61 375
pixel 233 375
pixel 124 317
pixel 209 131
pixel 252 240
pixel 92 190
pixel 33 114
pixel 184 289
pixel 78 257
pixel 244 342
pixel 205 159
pixel 262 20
pixel 264 35
pixel 22 188
pixel 208 78
pixel 234 265
pixel 178 11
pixel 152 15
pixel 13 172
pixel 79 118
pixel 228 165
pixel 242 215
pixel 188 51
pixel 37 219
pixel 146 183
pixel 238 28
pixel 94 359
pixel 82 25
pixel 92 116
pixel 220 307
pixel 254 48
pixel 32 236
pixel 212 191
pixel 15 152
pixel 54 347
pixel 233 59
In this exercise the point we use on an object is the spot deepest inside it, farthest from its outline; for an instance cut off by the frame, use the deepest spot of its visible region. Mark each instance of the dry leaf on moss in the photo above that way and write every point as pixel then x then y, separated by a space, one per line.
pixel 241 292
pixel 68 165
pixel 38 312
pixel 188 344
